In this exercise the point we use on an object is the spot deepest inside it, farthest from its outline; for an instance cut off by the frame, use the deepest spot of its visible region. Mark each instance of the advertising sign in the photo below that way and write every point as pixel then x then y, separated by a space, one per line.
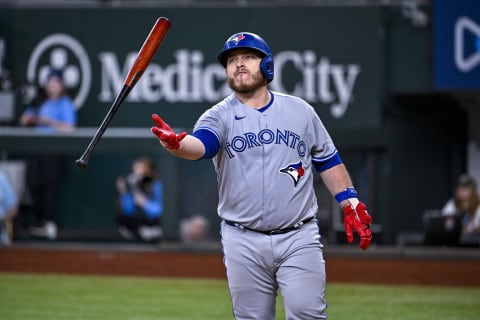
pixel 328 56
pixel 456 45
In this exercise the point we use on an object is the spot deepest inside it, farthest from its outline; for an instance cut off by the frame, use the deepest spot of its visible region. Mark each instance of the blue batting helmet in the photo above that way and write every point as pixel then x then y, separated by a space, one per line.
pixel 250 41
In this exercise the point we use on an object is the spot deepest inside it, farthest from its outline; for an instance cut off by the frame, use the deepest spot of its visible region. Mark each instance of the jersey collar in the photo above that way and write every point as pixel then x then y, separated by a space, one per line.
pixel 265 107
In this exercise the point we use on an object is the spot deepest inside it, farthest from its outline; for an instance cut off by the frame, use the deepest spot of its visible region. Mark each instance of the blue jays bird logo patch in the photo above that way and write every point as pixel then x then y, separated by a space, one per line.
pixel 237 38
pixel 295 171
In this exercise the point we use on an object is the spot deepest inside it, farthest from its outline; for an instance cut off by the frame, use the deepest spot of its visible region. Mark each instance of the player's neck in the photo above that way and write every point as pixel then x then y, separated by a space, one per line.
pixel 256 99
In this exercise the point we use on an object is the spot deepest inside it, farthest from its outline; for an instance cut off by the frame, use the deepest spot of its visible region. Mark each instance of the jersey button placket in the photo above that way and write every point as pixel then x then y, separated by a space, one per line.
pixel 267 182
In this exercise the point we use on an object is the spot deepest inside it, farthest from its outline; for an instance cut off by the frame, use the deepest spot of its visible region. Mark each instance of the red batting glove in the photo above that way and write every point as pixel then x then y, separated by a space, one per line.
pixel 359 220
pixel 165 134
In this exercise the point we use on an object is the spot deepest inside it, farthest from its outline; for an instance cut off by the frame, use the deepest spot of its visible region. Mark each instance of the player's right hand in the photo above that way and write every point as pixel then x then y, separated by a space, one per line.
pixel 357 218
pixel 169 139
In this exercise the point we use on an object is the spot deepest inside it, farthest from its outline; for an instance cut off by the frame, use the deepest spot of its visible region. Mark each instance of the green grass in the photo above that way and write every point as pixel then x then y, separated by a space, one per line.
pixel 42 297
pixel 365 302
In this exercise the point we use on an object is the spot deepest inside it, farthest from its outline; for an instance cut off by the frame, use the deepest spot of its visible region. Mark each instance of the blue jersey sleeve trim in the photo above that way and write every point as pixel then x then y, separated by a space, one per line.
pixel 210 140
pixel 327 163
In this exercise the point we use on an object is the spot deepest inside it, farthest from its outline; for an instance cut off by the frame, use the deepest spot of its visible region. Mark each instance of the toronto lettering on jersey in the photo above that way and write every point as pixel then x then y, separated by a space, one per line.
pixel 265 136
pixel 189 80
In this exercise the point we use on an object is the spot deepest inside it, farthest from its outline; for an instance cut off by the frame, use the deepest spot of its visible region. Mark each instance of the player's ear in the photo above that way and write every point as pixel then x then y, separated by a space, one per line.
pixel 267 67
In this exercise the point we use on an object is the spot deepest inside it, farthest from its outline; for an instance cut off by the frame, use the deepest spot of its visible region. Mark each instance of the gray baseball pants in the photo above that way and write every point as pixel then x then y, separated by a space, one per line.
pixel 260 265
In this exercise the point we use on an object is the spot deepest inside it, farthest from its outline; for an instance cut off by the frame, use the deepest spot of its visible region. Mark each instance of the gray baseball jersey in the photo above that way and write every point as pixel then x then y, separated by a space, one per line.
pixel 264 165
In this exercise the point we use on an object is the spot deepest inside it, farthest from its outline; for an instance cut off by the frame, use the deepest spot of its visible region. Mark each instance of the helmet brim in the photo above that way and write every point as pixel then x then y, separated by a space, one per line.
pixel 223 55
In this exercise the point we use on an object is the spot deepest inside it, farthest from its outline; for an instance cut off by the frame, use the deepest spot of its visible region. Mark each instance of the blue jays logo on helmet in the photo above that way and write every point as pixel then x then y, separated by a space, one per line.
pixel 295 171
pixel 252 41
pixel 237 38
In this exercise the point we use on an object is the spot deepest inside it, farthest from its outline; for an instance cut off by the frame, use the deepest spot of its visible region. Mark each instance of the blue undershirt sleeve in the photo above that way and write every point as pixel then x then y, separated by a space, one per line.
pixel 209 140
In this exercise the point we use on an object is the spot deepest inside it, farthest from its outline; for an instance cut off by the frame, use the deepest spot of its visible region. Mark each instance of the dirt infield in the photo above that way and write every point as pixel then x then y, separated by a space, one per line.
pixel 457 270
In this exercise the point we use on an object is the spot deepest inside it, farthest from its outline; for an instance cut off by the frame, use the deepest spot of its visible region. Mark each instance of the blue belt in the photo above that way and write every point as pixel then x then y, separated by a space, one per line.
pixel 269 232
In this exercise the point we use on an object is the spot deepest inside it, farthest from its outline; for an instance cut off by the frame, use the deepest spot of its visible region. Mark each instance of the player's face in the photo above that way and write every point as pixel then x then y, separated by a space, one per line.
pixel 243 71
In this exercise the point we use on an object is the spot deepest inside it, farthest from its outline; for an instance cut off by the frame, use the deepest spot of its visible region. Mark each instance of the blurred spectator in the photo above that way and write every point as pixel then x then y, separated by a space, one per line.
pixel 194 228
pixel 465 203
pixel 56 113
pixel 8 209
pixel 140 202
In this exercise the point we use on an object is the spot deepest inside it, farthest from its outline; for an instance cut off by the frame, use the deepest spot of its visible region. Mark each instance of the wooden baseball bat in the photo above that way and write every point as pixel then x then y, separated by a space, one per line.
pixel 145 55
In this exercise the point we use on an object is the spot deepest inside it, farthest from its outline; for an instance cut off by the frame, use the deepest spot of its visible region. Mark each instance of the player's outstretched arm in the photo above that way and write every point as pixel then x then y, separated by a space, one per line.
pixel 181 145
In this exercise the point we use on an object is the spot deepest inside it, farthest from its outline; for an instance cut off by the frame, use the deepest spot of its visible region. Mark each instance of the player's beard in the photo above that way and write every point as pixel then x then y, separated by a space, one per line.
pixel 258 82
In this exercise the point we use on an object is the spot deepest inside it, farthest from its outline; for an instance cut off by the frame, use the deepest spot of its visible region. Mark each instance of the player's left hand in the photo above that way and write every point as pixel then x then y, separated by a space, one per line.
pixel 169 139
pixel 357 218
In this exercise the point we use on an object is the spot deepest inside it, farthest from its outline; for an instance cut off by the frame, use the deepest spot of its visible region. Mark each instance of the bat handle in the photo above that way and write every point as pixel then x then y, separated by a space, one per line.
pixel 82 162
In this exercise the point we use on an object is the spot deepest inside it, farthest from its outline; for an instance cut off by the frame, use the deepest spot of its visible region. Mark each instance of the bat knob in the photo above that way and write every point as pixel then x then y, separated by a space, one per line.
pixel 80 163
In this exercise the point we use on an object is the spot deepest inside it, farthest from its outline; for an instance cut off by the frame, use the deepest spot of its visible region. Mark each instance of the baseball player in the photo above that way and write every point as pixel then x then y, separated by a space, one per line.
pixel 265 147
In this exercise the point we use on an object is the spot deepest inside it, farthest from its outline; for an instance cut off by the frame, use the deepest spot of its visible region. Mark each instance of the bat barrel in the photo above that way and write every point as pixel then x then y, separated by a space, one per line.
pixel 148 50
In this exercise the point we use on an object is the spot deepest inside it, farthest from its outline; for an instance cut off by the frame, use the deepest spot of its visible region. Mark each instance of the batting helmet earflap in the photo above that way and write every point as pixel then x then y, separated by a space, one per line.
pixel 251 41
